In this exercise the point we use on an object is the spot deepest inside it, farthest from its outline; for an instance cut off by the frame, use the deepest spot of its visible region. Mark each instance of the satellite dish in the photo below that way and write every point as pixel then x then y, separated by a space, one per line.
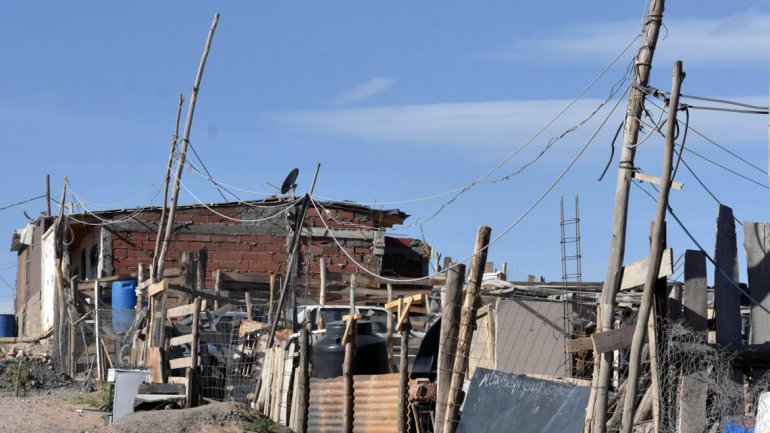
pixel 289 183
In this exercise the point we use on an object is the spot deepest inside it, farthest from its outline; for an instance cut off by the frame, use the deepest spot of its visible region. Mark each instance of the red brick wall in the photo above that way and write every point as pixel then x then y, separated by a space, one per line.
pixel 261 252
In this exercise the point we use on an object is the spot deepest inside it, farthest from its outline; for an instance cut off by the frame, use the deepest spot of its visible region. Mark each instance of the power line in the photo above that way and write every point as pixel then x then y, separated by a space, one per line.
pixel 710 259
pixel 195 152
pixel 22 202
pixel 501 235
pixel 459 191
pixel 727 169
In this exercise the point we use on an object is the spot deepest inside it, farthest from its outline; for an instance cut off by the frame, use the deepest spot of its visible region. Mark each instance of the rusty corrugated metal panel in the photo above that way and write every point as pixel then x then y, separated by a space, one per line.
pixel 375 403
pixel 325 408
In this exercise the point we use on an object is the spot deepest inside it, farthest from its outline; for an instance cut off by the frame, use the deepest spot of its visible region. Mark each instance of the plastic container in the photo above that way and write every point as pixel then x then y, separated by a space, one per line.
pixel 7 325
pixel 371 351
pixel 123 304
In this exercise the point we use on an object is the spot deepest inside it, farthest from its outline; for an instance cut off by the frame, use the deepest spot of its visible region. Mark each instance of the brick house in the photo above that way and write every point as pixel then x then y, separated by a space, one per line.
pixel 242 237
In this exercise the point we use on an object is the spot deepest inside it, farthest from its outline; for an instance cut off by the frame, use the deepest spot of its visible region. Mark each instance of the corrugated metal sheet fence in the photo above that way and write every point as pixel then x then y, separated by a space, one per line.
pixel 375 403
pixel 375 400
pixel 325 409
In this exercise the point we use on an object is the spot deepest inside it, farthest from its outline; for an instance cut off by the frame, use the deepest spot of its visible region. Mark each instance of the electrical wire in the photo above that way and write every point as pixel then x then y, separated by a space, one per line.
pixel 197 157
pixel 283 208
pixel 727 169
pixel 498 237
pixel 22 202
pixel 459 191
pixel 710 259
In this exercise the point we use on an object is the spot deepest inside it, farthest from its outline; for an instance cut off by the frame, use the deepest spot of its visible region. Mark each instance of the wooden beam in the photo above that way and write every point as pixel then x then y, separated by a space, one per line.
pixel 245 278
pixel 156 288
pixel 181 340
pixel 656 180
pixel 180 363
pixel 635 273
pixel 182 310
pixel 419 298
pixel 603 342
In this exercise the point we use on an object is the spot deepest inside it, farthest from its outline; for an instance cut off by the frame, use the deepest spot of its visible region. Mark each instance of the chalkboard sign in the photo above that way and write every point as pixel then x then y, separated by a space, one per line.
pixel 509 403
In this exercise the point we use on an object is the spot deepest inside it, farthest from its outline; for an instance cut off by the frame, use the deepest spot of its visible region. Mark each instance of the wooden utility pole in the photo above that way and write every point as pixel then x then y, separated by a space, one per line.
pixel 634 109
pixel 292 256
pixel 162 219
pixel 48 195
pixel 656 254
pixel 465 332
pixel 183 154
pixel 450 313
pixel 303 394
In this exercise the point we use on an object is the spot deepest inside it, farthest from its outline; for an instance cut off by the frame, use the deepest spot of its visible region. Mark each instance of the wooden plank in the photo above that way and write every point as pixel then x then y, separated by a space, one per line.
pixel 155 364
pixel 615 339
pixel 244 278
pixel 182 339
pixel 180 311
pixel 180 363
pixel 156 288
pixel 693 390
pixel 654 179
pixel 178 380
pixel 757 243
pixel 635 273
pixel 603 342
pixel 727 300
pixel 287 373
pixel 414 299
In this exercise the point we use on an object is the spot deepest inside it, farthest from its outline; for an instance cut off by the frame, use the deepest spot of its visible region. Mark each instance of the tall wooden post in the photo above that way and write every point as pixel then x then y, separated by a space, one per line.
pixel 174 139
pixel 693 390
pixel 217 287
pixel 727 300
pixel 141 277
pixel 389 330
pixel 188 272
pixel 656 254
pixel 270 310
pixel 200 269
pixel 48 195
pixel 450 314
pixel 303 377
pixel 183 154
pixel 465 333
pixel 605 312
pixel 403 371
pixel 347 374
pixel 292 257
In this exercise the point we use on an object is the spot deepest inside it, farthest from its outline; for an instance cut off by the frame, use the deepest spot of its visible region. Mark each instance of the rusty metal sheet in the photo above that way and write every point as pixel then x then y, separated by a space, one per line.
pixel 375 403
pixel 325 408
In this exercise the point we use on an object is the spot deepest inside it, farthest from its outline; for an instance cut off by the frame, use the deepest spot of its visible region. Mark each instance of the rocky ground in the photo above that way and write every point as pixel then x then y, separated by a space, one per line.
pixel 51 402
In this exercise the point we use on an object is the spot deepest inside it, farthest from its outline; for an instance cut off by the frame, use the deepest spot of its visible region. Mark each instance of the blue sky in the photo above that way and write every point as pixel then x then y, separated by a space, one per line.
pixel 396 100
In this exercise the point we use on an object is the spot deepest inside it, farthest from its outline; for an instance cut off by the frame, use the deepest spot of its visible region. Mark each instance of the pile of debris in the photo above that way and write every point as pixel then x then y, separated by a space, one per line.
pixel 26 368
pixel 227 417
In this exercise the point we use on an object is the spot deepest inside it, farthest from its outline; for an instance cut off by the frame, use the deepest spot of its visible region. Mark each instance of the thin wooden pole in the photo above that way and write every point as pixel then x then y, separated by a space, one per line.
pixel 389 331
pixel 141 277
pixel 292 257
pixel 450 314
pixel 97 325
pixel 322 268
pixel 656 253
pixel 303 394
pixel 48 194
pixel 605 310
pixel 465 332
pixel 218 287
pixel 247 299
pixel 347 374
pixel 403 371
pixel 174 139
pixel 272 296
pixel 183 154
pixel 192 384
pixel 200 269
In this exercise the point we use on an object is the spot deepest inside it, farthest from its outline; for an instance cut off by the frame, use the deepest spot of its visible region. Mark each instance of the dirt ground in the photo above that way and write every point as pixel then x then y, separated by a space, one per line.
pixel 51 402
pixel 46 413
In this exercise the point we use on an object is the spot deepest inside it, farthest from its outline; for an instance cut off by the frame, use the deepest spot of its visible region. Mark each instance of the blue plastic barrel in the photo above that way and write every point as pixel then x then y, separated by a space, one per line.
pixel 123 303
pixel 7 325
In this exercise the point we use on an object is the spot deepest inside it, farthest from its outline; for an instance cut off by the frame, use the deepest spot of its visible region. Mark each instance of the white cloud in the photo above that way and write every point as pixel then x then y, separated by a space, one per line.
pixel 364 91
pixel 738 38
pixel 493 123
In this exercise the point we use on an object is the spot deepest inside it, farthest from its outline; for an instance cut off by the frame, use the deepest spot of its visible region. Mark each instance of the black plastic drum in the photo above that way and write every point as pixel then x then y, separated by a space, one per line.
pixel 371 352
